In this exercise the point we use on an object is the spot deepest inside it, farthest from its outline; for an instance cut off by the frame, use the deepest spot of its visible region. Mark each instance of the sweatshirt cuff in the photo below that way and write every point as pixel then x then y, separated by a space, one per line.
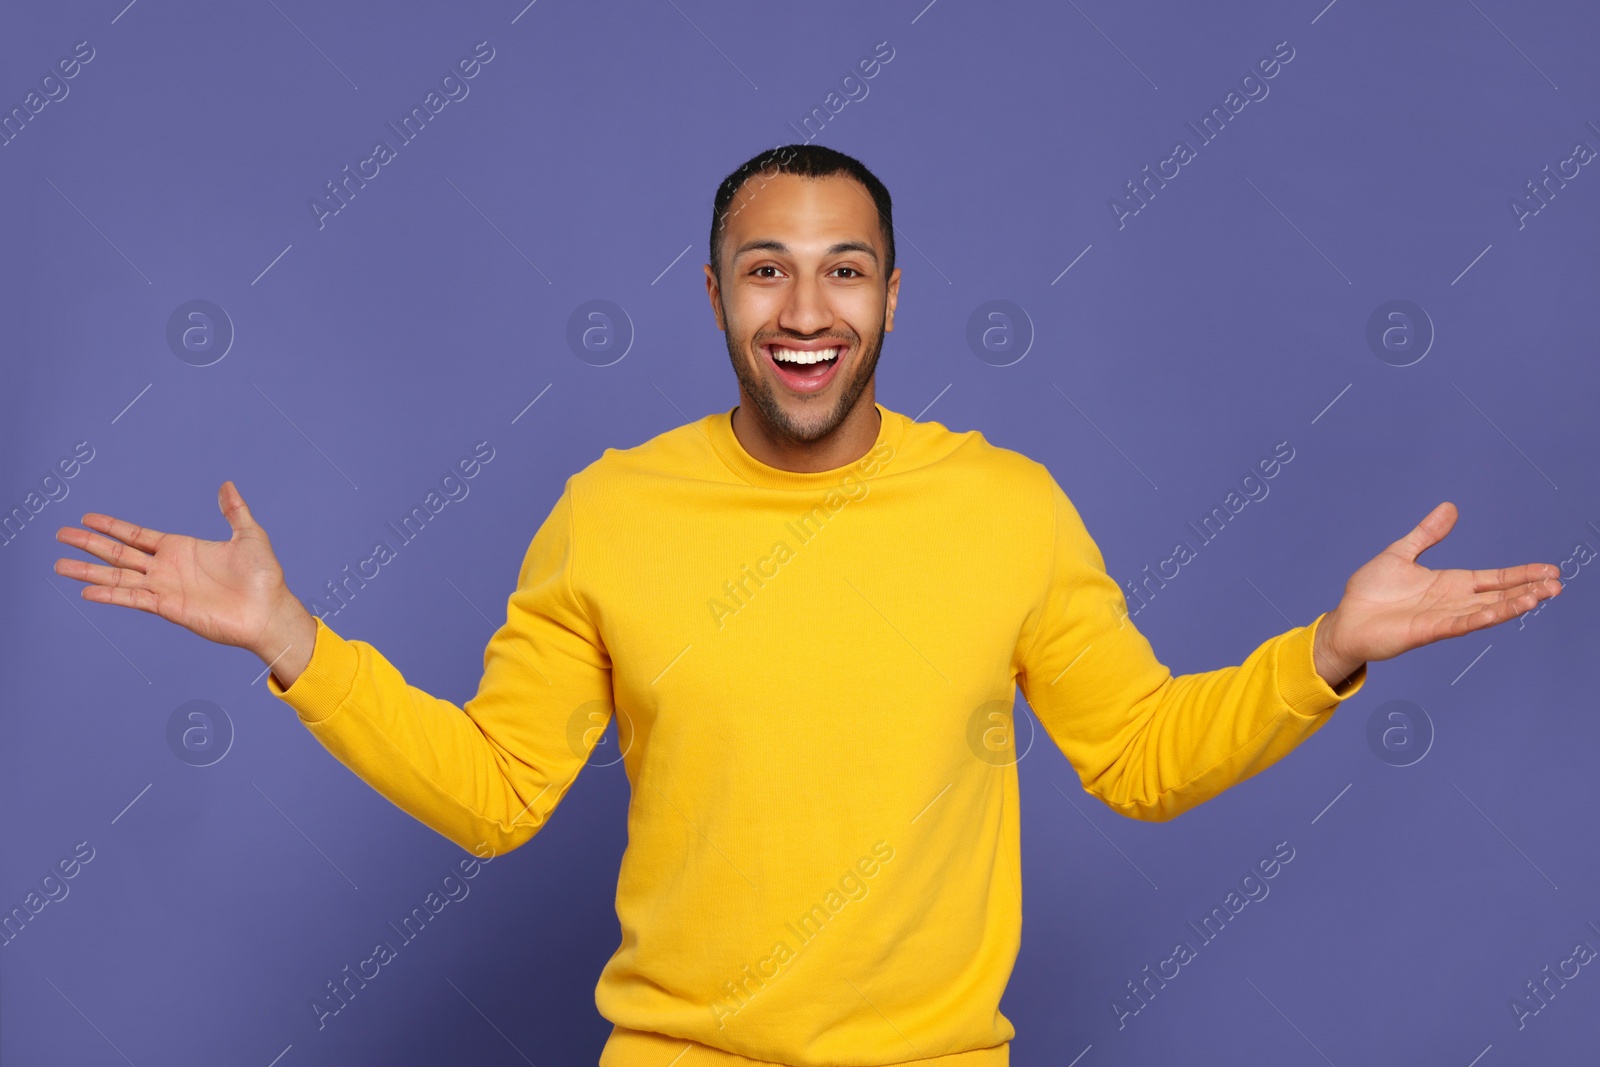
pixel 1301 687
pixel 327 679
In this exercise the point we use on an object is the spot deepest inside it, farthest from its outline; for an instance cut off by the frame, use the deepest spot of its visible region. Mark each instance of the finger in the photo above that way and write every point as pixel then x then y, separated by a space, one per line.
pixel 1518 598
pixel 125 596
pixel 95 574
pixel 1532 593
pixel 1427 533
pixel 113 552
pixel 231 502
pixel 141 537
pixel 1491 609
pixel 1509 577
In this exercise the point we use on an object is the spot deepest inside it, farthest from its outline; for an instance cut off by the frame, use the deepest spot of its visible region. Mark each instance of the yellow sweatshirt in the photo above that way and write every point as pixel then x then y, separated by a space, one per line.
pixel 813 676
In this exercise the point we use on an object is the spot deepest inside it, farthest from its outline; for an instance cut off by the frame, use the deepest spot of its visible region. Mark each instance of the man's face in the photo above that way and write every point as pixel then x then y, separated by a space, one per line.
pixel 802 273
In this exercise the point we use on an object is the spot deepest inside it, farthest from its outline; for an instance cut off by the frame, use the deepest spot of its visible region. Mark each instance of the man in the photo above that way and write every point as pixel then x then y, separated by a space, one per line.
pixel 810 615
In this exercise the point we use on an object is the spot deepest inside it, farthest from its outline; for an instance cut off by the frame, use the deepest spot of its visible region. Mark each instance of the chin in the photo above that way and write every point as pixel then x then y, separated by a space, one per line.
pixel 810 420
pixel 801 418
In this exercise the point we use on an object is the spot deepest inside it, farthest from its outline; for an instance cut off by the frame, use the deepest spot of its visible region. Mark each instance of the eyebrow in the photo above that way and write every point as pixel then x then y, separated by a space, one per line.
pixel 770 244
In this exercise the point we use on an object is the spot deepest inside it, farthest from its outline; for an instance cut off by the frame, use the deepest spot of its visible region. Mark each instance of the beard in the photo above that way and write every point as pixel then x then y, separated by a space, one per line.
pixel 763 395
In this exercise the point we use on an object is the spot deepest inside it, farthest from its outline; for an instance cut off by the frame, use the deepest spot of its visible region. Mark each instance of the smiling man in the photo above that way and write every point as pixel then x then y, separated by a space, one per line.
pixel 811 291
pixel 823 860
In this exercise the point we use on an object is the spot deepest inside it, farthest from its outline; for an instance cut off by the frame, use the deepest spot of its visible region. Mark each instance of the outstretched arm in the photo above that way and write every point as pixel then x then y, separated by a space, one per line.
pixel 488 772
pixel 1151 745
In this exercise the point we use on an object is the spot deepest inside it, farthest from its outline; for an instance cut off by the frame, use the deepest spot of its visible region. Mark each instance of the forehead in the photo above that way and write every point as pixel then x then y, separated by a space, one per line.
pixel 802 212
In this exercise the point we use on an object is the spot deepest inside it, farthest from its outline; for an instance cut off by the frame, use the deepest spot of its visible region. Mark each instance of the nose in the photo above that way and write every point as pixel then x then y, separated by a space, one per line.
pixel 806 310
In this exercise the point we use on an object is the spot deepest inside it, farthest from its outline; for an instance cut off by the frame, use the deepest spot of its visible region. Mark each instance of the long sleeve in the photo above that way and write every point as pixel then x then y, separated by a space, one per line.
pixel 1148 744
pixel 491 771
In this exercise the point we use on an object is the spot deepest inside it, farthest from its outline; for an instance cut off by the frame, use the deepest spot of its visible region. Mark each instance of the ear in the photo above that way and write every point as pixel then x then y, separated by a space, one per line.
pixel 894 297
pixel 713 292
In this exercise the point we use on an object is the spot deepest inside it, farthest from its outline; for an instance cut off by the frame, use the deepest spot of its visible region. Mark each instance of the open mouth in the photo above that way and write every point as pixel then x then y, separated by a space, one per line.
pixel 805 370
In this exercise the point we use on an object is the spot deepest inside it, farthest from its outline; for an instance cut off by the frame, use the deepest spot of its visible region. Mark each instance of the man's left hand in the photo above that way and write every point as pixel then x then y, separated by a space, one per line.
pixel 1394 604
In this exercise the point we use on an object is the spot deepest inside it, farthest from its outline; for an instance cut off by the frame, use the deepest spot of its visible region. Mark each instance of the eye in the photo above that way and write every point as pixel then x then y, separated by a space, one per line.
pixel 852 270
pixel 764 266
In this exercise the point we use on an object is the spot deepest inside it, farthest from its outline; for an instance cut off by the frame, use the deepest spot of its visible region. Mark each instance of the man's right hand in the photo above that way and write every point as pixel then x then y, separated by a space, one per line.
pixel 231 592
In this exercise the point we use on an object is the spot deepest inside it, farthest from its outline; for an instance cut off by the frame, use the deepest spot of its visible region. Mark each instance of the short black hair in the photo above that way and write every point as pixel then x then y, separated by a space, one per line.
pixel 805 161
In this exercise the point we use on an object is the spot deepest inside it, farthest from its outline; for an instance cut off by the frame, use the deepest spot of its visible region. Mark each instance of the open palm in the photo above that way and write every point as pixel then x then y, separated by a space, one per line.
pixel 225 591
pixel 1394 604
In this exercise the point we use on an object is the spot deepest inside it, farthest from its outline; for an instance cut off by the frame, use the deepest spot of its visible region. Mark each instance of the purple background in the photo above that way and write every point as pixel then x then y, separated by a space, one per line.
pixel 1228 315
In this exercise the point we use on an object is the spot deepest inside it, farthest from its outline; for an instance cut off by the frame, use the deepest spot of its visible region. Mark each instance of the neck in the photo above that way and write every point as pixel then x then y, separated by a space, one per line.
pixel 848 442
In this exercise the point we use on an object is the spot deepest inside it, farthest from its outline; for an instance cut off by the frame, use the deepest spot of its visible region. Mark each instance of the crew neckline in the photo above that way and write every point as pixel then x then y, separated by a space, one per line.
pixel 719 427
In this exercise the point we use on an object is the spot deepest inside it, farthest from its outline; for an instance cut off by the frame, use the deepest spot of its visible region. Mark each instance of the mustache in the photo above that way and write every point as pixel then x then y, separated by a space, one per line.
pixel 780 338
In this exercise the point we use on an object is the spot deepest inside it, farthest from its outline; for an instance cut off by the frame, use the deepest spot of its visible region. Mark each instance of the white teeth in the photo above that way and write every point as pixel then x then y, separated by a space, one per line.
pixel 790 355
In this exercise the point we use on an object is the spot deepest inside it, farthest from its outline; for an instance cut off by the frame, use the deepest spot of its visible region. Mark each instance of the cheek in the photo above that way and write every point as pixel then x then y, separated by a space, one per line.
pixel 747 312
pixel 864 317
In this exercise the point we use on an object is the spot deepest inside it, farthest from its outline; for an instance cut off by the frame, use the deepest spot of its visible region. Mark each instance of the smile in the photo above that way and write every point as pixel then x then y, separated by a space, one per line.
pixel 805 370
